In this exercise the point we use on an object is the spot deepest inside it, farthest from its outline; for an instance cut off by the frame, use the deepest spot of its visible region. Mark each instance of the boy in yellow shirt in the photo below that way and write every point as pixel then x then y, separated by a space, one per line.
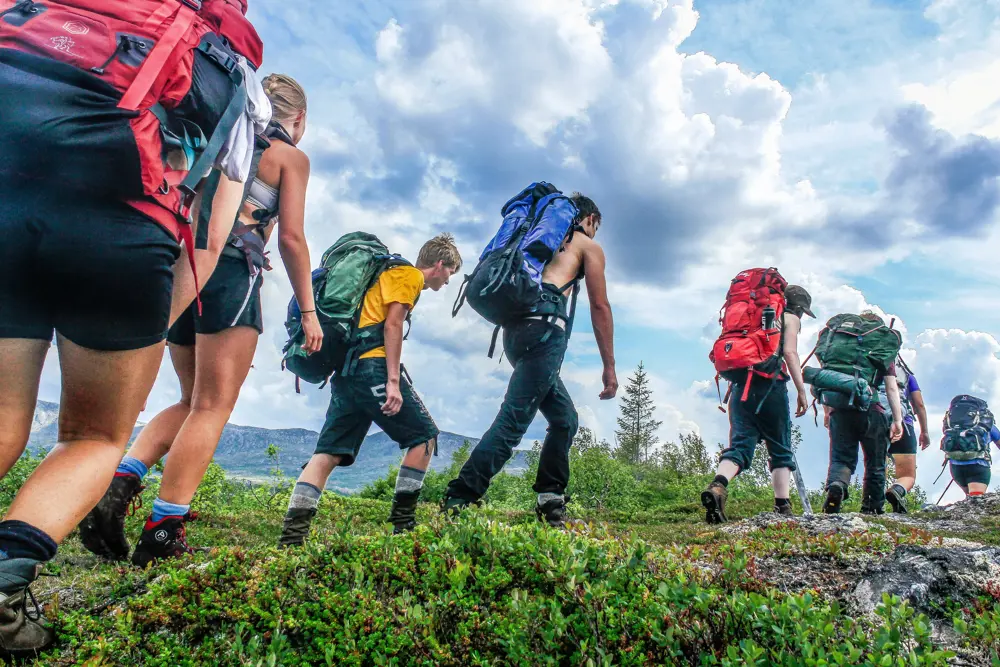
pixel 378 391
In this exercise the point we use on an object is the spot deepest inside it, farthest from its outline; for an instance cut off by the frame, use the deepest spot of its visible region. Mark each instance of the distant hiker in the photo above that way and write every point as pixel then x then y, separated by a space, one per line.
pixel 904 450
pixel 107 140
pixel 858 355
pixel 525 278
pixel 372 385
pixel 212 350
pixel 758 353
pixel 969 428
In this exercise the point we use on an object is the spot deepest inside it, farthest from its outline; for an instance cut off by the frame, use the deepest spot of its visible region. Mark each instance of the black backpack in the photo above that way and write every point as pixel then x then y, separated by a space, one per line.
pixel 967 427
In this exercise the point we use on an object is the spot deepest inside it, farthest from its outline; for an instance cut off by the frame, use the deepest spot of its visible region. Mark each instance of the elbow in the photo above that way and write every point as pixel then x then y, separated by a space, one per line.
pixel 601 309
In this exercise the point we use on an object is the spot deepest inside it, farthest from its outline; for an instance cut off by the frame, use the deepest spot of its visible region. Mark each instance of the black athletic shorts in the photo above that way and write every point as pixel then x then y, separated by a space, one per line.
pixel 231 298
pixel 356 401
pixel 97 272
pixel 908 443
pixel 970 474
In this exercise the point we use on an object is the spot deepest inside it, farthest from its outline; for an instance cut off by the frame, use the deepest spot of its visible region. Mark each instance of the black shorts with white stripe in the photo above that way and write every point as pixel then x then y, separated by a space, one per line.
pixel 231 298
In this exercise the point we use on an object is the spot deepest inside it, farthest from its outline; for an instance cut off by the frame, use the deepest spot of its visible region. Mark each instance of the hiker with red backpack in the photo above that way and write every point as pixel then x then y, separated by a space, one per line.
pixel 212 350
pixel 758 353
pixel 112 114
pixel 857 354
pixel 526 284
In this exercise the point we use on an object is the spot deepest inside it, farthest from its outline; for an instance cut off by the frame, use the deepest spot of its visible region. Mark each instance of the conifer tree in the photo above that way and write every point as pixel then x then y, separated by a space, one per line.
pixel 636 433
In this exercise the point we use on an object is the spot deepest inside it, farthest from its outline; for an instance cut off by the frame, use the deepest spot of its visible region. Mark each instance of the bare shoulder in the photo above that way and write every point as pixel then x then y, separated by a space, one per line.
pixel 792 322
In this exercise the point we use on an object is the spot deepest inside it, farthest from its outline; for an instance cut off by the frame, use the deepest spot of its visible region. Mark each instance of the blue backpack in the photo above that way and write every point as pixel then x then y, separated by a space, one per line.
pixel 506 284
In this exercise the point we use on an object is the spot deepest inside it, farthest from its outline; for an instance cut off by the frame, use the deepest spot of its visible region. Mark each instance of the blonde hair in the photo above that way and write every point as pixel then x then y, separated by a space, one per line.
pixel 870 315
pixel 286 95
pixel 441 248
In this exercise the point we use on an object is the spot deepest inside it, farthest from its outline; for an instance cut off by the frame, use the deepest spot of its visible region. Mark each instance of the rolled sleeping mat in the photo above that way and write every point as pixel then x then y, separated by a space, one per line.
pixel 838 390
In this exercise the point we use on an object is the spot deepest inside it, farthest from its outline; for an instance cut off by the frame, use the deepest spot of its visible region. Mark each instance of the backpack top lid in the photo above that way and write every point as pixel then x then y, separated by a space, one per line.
pixel 228 18
pixel 967 411
pixel 858 345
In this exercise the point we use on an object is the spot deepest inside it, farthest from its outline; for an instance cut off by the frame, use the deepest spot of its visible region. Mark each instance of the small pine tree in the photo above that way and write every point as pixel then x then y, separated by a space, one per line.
pixel 636 434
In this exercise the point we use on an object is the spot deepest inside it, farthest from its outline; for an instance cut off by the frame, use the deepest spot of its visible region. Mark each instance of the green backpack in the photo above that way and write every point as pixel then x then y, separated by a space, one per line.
pixel 860 348
pixel 348 269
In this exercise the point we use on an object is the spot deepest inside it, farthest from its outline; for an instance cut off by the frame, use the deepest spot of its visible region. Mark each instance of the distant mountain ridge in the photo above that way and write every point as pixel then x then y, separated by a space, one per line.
pixel 242 450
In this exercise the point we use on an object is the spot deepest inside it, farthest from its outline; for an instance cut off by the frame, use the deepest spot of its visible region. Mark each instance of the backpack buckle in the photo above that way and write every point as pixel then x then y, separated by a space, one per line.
pixel 193 4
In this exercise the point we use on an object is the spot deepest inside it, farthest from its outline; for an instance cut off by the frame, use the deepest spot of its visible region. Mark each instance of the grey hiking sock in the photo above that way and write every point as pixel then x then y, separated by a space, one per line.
pixel 409 479
pixel 548 497
pixel 304 496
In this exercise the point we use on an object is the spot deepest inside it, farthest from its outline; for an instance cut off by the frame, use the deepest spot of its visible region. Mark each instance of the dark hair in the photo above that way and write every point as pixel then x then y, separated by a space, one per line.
pixel 585 206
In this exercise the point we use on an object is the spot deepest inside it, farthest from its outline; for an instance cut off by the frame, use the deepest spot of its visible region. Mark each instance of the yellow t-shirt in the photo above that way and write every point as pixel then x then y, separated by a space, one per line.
pixel 401 284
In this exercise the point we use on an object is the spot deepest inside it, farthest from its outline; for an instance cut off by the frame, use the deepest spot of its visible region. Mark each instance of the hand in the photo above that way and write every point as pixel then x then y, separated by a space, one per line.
pixel 313 332
pixel 393 398
pixel 802 404
pixel 925 440
pixel 896 431
pixel 610 381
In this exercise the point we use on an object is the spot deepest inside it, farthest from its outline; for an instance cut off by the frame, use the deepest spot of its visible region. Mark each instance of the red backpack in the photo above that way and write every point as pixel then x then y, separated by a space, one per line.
pixel 129 99
pixel 756 299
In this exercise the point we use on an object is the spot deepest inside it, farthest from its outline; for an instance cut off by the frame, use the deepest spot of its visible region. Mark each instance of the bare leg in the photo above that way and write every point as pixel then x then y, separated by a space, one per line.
pixel 222 362
pixel 318 470
pixel 21 362
pixel 906 470
pixel 101 397
pixel 418 458
pixel 781 482
pixel 976 489
pixel 728 469
pixel 155 439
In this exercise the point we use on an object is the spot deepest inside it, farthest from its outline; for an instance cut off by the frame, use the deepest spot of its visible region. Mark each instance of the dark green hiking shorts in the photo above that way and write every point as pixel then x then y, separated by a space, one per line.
pixel 356 402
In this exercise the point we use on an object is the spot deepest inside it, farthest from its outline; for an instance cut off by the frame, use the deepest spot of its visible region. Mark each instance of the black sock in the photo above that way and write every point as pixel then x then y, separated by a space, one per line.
pixel 22 540
pixel 721 479
pixel 781 502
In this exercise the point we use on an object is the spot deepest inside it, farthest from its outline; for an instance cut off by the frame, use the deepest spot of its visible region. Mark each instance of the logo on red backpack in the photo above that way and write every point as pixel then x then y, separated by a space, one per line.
pixel 64 44
pixel 76 28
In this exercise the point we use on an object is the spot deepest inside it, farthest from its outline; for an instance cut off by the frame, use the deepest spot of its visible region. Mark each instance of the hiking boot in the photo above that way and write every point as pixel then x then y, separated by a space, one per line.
pixel 166 538
pixel 553 512
pixel 783 510
pixel 714 500
pixel 453 505
pixel 403 515
pixel 21 631
pixel 295 528
pixel 895 500
pixel 834 498
pixel 103 529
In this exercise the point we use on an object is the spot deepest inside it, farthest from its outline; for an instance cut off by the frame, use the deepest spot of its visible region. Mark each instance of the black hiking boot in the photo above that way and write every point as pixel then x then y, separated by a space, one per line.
pixel 452 506
pixel 783 509
pixel 895 499
pixel 103 529
pixel 714 500
pixel 295 528
pixel 834 497
pixel 166 538
pixel 403 515
pixel 22 635
pixel 553 512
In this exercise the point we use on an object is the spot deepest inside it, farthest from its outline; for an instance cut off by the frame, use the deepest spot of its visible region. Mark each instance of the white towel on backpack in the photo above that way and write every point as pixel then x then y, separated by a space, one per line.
pixel 236 156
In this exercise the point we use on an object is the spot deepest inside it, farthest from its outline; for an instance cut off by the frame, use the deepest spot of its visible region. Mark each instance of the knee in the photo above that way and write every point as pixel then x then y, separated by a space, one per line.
pixel 217 404
pixel 73 429
pixel 567 424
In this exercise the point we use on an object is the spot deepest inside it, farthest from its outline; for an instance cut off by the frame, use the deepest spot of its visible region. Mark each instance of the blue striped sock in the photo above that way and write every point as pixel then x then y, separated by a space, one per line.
pixel 132 466
pixel 161 509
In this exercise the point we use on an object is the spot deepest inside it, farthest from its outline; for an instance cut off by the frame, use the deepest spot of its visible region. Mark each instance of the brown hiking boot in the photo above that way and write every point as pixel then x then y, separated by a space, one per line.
pixel 714 500
pixel 22 634
pixel 102 531
pixel 166 538
pixel 296 526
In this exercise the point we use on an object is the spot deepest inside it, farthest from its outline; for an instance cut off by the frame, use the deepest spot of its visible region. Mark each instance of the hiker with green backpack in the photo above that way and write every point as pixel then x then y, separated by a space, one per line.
pixel 364 295
pixel 858 354
pixel 969 428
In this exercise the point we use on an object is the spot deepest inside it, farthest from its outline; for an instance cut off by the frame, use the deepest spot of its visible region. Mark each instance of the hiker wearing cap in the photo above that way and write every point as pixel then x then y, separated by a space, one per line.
pixel 758 353
pixel 526 284
pixel 969 428
pixel 904 450
pixel 858 354
pixel 212 343
pixel 370 384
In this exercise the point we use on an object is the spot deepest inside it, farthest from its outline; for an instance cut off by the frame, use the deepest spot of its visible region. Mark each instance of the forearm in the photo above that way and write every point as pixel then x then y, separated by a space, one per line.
pixel 604 332
pixel 295 256
pixel 922 418
pixel 892 391
pixel 794 365
pixel 393 349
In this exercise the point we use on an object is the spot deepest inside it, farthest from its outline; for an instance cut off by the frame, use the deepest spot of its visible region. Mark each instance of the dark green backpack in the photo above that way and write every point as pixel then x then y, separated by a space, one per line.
pixel 858 347
pixel 348 269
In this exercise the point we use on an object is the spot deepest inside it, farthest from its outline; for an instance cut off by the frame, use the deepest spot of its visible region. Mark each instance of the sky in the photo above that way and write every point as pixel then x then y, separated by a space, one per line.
pixel 854 145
